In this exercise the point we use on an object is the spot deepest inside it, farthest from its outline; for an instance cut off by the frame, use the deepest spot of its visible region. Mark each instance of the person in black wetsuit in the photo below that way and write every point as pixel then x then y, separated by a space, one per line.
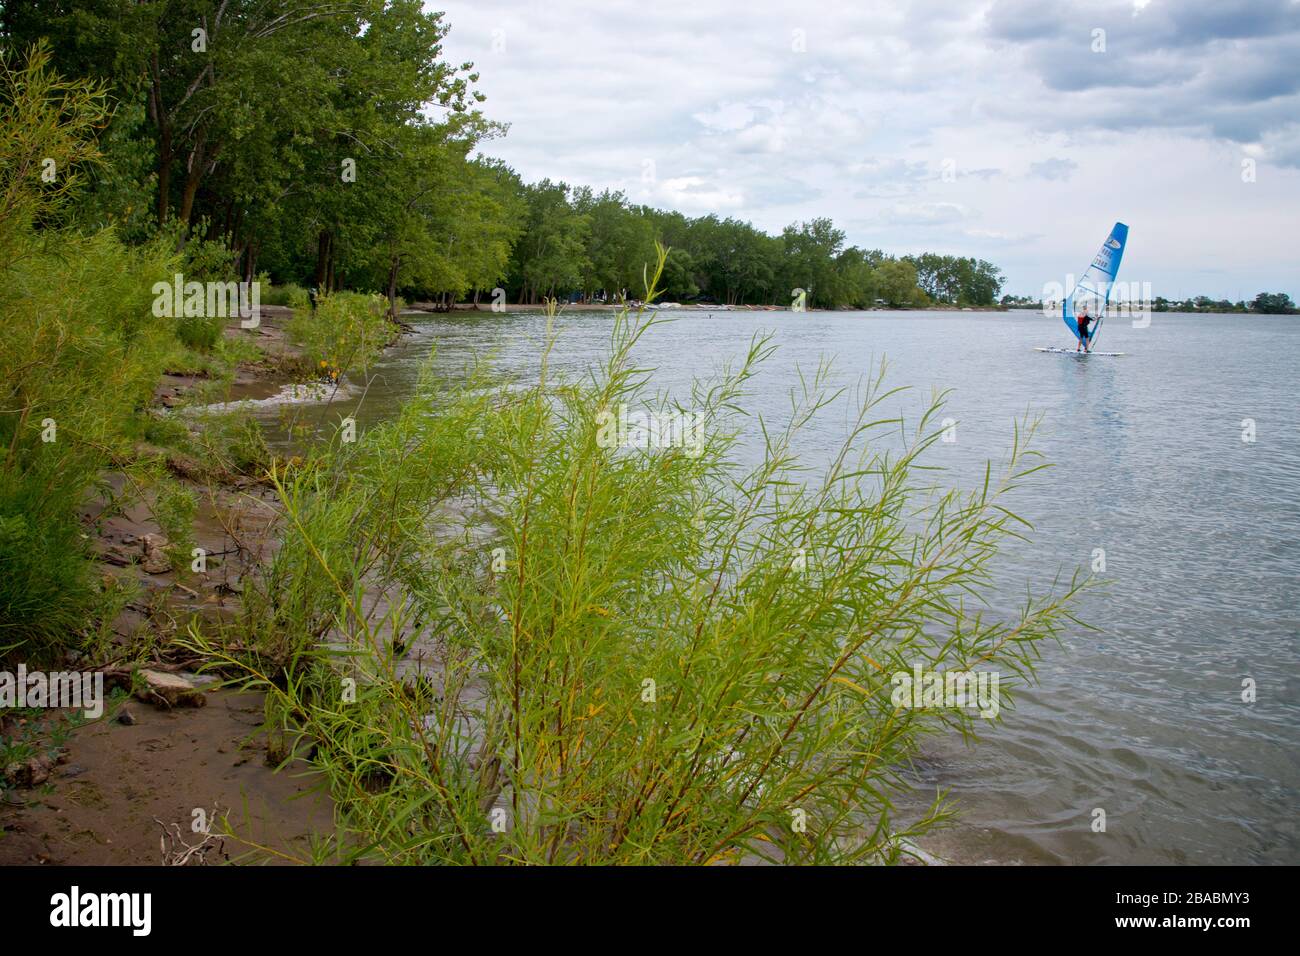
pixel 1084 320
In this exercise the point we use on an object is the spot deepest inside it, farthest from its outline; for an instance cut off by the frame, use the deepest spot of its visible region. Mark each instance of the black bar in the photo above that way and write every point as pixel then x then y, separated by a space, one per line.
pixel 382 906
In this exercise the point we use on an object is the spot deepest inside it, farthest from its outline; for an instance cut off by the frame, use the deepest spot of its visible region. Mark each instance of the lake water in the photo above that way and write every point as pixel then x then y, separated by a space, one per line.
pixel 1144 717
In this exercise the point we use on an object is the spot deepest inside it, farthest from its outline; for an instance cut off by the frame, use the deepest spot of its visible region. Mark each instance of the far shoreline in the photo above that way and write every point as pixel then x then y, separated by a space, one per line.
pixel 429 308
pixel 598 307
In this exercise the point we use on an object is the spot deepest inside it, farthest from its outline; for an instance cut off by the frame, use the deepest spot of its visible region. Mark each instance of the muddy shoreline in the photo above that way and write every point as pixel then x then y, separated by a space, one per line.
pixel 114 790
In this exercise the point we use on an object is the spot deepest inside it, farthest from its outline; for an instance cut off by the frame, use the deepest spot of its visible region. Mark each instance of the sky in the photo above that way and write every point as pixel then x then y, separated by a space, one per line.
pixel 1016 131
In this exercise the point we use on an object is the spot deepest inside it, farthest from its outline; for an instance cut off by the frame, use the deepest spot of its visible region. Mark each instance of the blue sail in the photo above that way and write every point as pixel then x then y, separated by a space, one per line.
pixel 1092 291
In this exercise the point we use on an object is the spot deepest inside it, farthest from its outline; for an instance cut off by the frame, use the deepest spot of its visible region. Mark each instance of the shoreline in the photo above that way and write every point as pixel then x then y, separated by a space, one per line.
pixel 599 307
pixel 423 309
pixel 114 787
pixel 109 789
pixel 183 758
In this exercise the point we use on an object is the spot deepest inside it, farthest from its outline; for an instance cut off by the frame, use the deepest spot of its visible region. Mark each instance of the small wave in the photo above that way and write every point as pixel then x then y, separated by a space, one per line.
pixel 312 393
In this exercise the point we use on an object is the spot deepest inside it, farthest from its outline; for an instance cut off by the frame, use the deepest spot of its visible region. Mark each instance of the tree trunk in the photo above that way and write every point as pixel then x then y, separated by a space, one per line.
pixel 392 289
pixel 235 237
pixel 159 115
pixel 319 275
pixel 198 159
pixel 324 253
pixel 165 159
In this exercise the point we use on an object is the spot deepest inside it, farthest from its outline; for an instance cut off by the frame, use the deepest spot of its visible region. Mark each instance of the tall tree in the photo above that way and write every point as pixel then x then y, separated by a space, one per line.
pixel 550 256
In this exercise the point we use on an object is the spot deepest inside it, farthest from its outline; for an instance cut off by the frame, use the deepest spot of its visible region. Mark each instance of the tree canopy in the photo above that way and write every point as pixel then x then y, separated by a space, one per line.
pixel 330 143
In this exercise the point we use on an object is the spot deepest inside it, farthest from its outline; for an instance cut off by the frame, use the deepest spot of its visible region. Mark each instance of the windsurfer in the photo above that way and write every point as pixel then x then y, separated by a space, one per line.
pixel 1084 321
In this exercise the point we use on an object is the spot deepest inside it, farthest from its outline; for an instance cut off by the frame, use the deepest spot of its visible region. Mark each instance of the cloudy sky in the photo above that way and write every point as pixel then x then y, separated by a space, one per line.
pixel 1012 130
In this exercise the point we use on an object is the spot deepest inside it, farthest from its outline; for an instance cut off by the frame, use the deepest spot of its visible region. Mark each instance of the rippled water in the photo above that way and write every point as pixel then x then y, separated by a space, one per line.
pixel 1201 531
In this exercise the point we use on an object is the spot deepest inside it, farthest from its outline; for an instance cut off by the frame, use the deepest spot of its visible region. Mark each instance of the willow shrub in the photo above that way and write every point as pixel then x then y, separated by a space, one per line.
pixel 510 643
pixel 345 332
pixel 80 356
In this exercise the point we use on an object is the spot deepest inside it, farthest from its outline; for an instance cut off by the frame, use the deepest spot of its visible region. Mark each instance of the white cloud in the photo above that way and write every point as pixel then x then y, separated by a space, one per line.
pixel 726 117
pixel 1048 143
pixel 696 194
pixel 1054 169
pixel 925 213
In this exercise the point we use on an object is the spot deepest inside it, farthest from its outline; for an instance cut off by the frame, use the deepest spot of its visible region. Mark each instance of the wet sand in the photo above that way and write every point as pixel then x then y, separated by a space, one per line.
pixel 120 785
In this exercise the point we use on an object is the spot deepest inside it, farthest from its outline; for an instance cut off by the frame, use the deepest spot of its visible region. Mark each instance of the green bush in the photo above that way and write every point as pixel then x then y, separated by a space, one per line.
pixel 345 332
pixel 47 592
pixel 80 356
pixel 200 333
pixel 290 294
pixel 173 508
pixel 79 344
pixel 231 444
pixel 624 655
pixel 202 260
pixel 167 431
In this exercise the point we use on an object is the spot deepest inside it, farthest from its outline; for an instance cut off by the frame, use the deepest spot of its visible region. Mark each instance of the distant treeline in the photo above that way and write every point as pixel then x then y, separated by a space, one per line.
pixel 1267 303
pixel 577 243
pixel 331 145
